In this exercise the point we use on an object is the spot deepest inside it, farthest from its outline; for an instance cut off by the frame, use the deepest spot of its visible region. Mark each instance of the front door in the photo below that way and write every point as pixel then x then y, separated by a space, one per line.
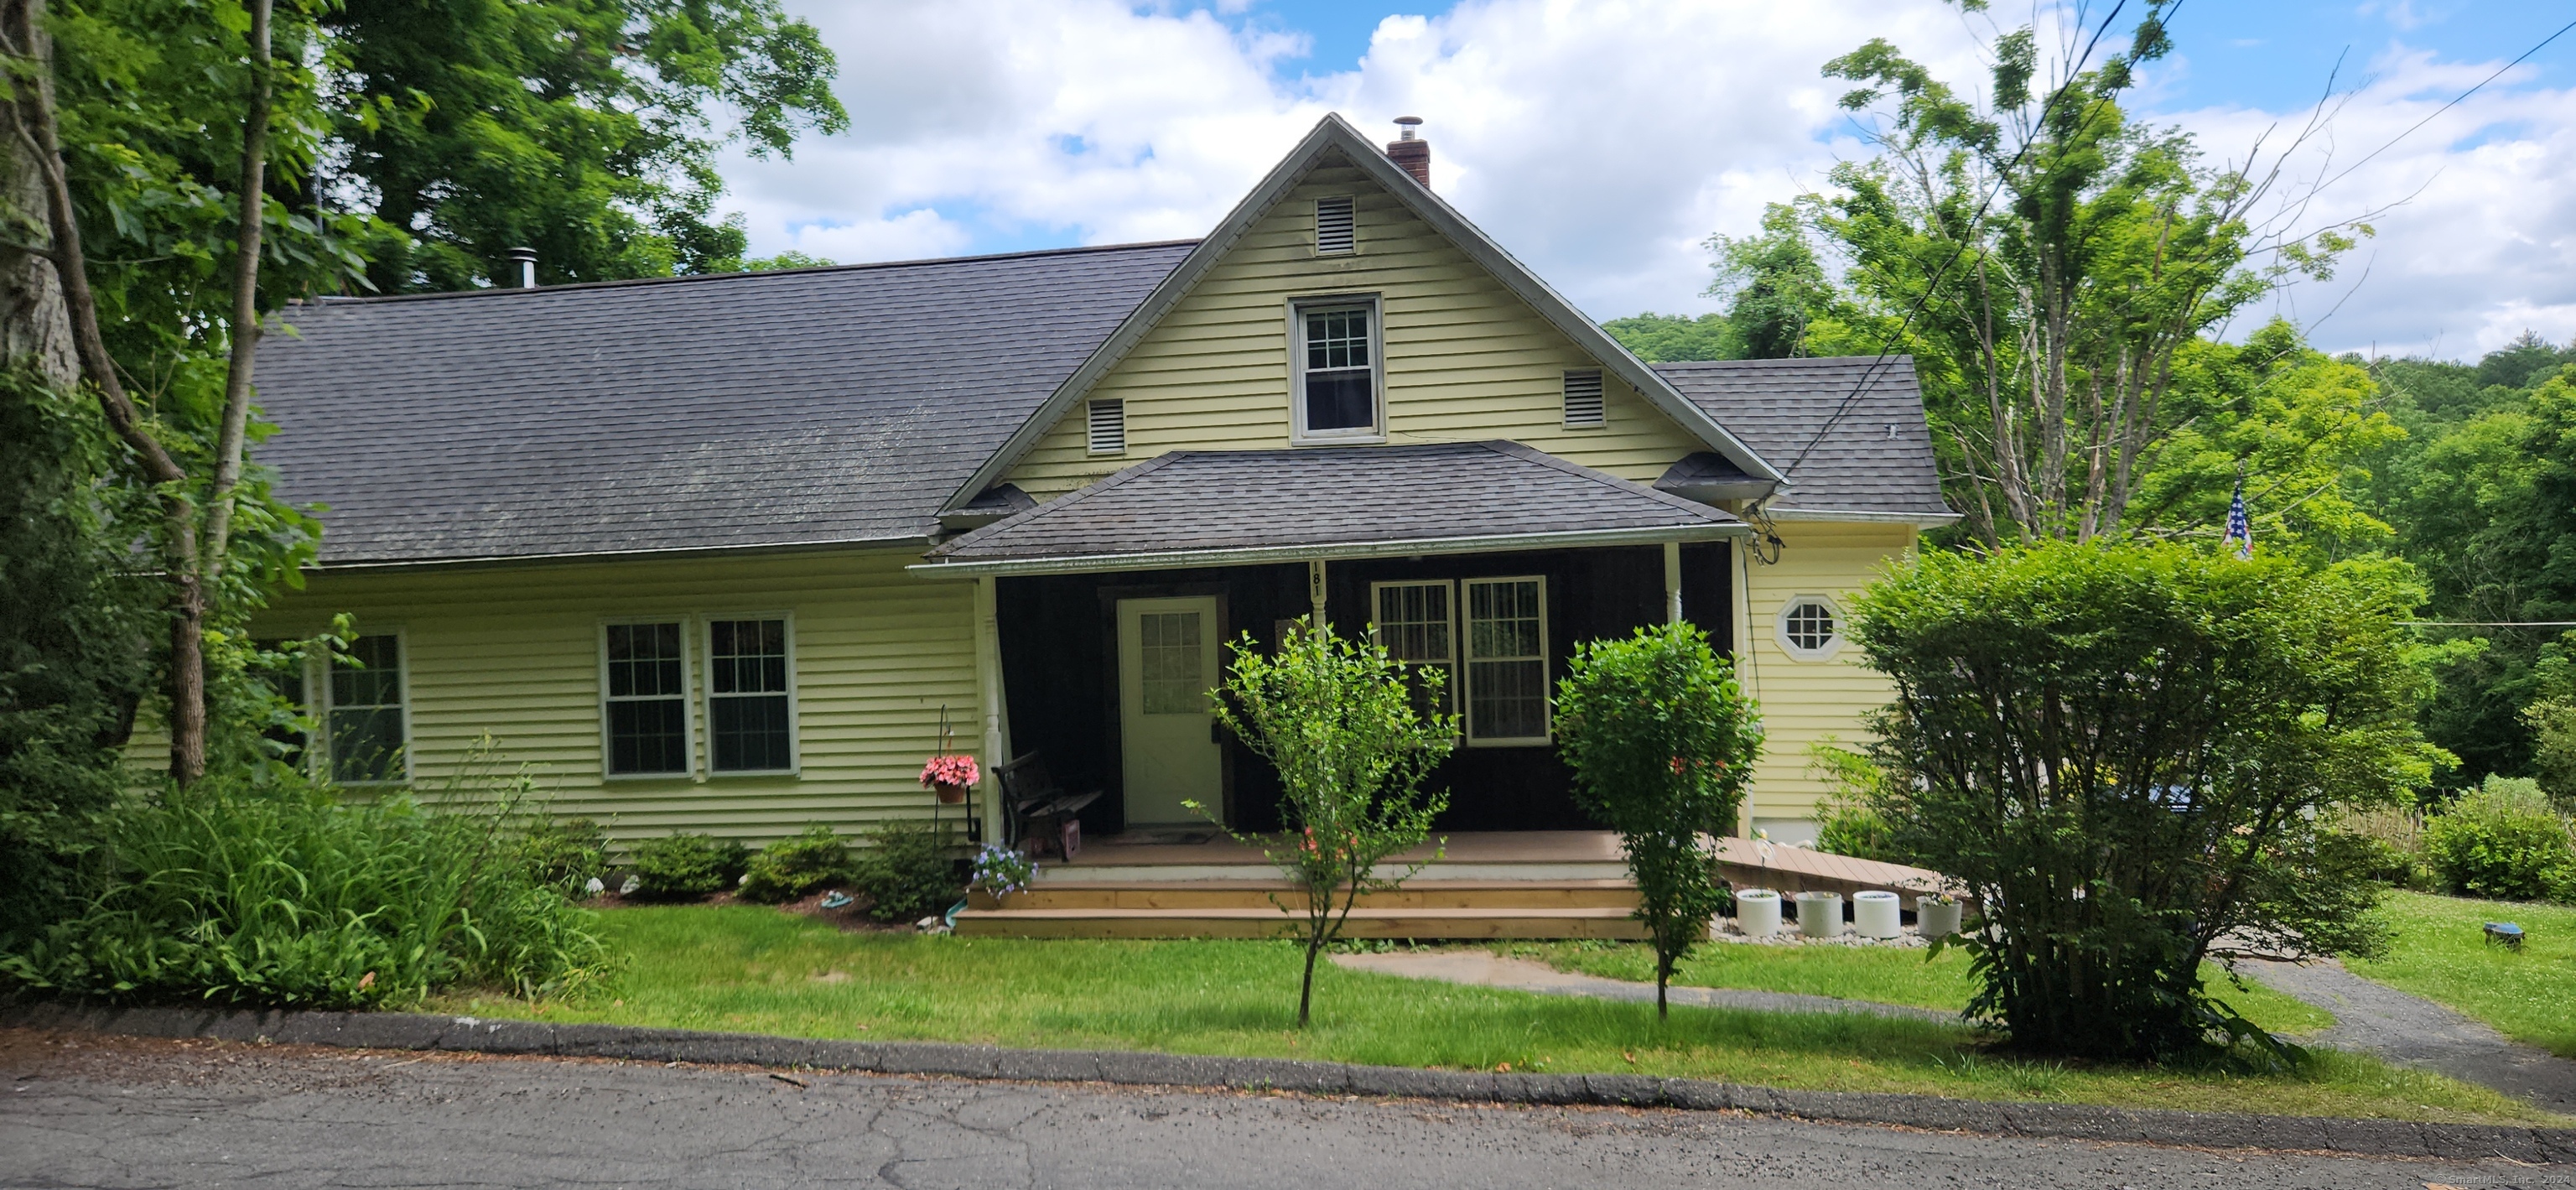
pixel 1166 667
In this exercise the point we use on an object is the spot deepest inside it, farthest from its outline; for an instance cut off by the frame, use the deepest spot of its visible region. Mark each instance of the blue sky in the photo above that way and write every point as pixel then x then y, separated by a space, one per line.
pixel 1604 140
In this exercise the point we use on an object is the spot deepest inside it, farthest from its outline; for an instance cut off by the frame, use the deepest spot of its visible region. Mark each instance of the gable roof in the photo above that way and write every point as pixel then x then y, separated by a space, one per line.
pixel 810 406
pixel 1873 462
pixel 1334 135
pixel 1207 507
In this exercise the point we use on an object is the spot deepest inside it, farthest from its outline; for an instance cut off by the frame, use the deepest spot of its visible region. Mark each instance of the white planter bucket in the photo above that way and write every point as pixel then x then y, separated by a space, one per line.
pixel 1757 912
pixel 1878 914
pixel 1933 919
pixel 1820 914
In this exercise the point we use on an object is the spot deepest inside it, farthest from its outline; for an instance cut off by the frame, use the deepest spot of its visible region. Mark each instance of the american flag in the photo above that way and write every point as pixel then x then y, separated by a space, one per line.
pixel 2239 529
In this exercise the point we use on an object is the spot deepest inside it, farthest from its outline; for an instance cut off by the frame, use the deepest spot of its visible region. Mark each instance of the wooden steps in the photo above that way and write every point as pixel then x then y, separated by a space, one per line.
pixel 1245 909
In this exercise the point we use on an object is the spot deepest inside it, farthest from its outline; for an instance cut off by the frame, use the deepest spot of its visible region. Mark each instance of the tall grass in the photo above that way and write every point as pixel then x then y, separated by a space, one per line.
pixel 286 894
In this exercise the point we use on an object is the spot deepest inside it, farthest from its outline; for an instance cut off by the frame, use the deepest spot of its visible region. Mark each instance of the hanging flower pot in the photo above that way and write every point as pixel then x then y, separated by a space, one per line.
pixel 951 776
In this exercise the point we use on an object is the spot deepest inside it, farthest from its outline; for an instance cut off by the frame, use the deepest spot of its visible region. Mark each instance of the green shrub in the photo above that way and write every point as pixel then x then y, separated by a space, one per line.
pixel 907 872
pixel 285 895
pixel 1662 742
pixel 2133 755
pixel 1850 824
pixel 2503 841
pixel 797 865
pixel 684 866
pixel 565 853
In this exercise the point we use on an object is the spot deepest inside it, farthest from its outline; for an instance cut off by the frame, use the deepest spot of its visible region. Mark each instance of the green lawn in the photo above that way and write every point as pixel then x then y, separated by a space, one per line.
pixel 759 970
pixel 2442 955
pixel 1885 974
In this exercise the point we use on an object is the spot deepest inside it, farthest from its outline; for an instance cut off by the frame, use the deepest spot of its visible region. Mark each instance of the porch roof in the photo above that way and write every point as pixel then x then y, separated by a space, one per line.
pixel 1213 508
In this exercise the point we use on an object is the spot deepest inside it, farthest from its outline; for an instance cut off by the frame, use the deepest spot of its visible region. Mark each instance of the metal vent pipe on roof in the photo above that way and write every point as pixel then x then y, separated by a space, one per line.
pixel 1410 150
pixel 527 258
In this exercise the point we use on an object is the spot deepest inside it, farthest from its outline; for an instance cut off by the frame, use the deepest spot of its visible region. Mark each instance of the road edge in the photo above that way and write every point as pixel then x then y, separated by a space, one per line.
pixel 463 1034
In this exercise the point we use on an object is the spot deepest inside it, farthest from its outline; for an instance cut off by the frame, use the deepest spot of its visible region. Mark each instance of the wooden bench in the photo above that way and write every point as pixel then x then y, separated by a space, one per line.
pixel 1038 811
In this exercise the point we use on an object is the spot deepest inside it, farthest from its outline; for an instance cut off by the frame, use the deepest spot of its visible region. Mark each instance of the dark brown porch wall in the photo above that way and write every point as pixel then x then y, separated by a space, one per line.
pixel 1057 638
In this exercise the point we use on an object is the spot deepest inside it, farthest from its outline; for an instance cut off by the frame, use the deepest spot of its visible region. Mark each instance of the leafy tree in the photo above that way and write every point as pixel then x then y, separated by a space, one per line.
pixel 1662 742
pixel 1337 719
pixel 587 129
pixel 1671 338
pixel 2128 753
pixel 1773 285
pixel 2045 260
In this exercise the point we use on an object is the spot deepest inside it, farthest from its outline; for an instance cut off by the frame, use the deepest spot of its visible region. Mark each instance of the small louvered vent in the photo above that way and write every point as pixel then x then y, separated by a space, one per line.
pixel 1108 427
pixel 1333 226
pixel 1583 398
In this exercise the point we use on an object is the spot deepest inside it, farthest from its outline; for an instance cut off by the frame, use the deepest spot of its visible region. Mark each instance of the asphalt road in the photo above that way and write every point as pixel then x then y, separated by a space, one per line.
pixel 90 1111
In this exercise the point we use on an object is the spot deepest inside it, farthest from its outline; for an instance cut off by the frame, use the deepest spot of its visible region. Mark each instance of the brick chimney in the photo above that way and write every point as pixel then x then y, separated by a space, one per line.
pixel 1411 151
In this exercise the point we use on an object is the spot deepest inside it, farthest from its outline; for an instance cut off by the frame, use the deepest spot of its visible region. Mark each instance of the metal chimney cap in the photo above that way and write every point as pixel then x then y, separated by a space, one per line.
pixel 523 255
pixel 1407 124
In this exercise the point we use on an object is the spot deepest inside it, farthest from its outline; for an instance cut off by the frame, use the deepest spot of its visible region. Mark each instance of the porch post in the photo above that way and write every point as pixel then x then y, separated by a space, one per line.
pixel 988 683
pixel 1315 589
pixel 1672 582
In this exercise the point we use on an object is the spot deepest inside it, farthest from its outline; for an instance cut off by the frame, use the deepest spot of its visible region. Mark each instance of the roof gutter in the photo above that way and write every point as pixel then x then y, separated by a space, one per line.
pixel 489 561
pixel 1260 555
pixel 1926 520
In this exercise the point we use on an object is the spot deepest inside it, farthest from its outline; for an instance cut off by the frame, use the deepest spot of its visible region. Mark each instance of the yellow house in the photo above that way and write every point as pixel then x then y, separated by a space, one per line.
pixel 731 553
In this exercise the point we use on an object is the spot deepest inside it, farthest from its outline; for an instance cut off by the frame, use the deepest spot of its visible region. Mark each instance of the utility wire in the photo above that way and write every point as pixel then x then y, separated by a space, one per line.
pixel 2462 97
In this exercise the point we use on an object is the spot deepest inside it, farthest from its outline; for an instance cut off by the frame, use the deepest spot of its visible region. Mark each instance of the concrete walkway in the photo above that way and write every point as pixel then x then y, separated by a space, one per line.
pixel 1486 969
pixel 2376 1019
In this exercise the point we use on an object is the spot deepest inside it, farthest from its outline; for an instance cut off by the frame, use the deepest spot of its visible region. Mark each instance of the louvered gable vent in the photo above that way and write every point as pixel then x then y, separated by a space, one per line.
pixel 1108 427
pixel 1583 398
pixel 1334 226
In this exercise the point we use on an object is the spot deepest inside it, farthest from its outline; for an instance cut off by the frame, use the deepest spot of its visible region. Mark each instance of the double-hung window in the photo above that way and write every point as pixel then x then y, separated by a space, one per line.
pixel 1506 660
pixel 644 682
pixel 1336 378
pixel 364 728
pixel 1416 626
pixel 750 709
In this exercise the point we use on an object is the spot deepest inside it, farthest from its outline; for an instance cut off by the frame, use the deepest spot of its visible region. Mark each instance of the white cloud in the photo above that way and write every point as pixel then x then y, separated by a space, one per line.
pixel 1600 142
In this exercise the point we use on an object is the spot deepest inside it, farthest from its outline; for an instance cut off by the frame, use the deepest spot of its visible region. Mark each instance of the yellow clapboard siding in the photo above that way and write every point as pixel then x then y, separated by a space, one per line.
pixel 513 653
pixel 1807 702
pixel 1466 359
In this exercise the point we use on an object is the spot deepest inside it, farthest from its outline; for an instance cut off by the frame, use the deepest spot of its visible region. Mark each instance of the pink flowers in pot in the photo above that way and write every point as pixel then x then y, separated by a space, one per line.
pixel 951 775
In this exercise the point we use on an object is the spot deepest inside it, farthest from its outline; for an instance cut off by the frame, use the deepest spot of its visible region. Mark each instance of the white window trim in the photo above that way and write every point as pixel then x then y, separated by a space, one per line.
pixel 402 684
pixel 1467 662
pixel 1298 308
pixel 688 703
pixel 1457 676
pixel 707 697
pixel 1780 628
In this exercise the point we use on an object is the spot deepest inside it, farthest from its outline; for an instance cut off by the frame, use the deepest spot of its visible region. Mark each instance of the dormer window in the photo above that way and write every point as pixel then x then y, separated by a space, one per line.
pixel 1336 379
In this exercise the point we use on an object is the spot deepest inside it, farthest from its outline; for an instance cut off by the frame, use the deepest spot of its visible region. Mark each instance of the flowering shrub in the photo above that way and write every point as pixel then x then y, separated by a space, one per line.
pixel 1001 870
pixel 955 771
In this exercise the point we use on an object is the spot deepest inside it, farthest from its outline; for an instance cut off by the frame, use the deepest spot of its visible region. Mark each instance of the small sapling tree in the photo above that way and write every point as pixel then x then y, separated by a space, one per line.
pixel 1662 742
pixel 2133 755
pixel 1337 719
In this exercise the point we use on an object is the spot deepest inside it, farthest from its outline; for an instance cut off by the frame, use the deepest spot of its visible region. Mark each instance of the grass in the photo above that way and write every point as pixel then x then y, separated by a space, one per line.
pixel 753 969
pixel 2442 955
pixel 1884 974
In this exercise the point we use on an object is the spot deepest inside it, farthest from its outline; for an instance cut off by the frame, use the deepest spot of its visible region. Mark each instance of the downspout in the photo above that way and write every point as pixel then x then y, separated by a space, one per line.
pixel 988 682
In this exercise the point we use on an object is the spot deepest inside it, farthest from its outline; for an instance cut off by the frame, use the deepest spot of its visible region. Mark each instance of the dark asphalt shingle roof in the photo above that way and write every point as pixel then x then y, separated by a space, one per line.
pixel 1876 458
pixel 1356 495
pixel 753 409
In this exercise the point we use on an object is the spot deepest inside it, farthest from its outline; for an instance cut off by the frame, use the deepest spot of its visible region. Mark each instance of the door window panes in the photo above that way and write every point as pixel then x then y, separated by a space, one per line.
pixel 1170 660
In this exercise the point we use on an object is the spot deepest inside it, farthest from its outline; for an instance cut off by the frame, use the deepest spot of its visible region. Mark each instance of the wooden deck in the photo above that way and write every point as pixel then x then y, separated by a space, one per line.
pixel 1472 885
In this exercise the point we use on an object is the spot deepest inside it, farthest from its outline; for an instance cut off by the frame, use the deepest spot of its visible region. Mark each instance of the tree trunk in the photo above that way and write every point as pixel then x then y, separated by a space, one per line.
pixel 245 320
pixel 1306 990
pixel 35 328
pixel 35 133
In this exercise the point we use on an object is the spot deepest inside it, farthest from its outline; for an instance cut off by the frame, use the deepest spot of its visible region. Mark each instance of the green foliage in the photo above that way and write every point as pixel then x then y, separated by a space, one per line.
pixel 2505 842
pixel 1850 823
pixel 790 259
pixel 1671 338
pixel 2133 755
pixel 286 895
pixel 1662 742
pixel 74 649
pixel 565 854
pixel 1339 721
pixel 587 129
pixel 797 865
pixel 908 870
pixel 685 866
pixel 1773 285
